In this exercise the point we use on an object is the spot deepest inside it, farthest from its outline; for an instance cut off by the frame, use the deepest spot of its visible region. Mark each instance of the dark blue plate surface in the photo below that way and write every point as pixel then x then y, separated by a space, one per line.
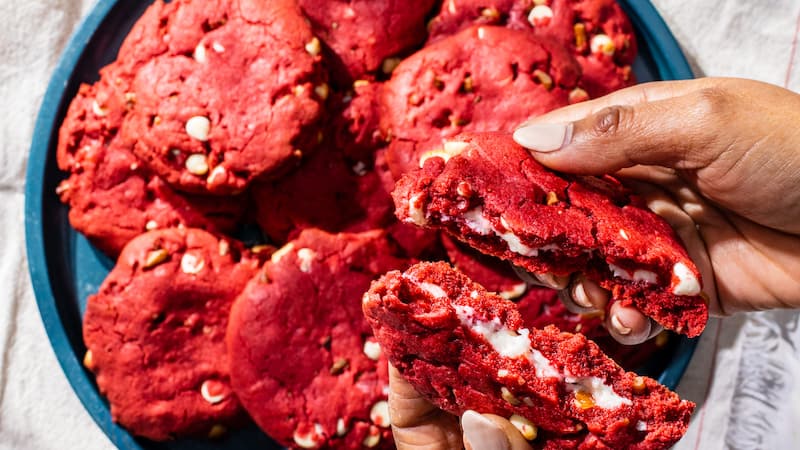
pixel 65 268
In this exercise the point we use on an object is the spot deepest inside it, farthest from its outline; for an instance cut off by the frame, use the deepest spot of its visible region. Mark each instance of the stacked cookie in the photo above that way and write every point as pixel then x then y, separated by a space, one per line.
pixel 295 116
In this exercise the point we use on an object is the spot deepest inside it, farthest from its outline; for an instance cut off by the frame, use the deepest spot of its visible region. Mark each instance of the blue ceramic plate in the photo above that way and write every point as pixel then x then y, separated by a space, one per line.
pixel 65 268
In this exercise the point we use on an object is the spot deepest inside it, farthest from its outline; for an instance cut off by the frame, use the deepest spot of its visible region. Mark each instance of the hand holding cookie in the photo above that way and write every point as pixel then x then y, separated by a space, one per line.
pixel 717 158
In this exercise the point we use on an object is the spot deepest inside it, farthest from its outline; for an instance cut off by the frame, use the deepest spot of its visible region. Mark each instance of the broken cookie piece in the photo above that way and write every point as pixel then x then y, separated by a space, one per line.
pixel 465 348
pixel 496 198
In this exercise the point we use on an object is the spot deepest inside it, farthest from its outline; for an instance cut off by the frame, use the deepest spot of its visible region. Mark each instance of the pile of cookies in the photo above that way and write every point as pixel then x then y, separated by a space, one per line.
pixel 297 116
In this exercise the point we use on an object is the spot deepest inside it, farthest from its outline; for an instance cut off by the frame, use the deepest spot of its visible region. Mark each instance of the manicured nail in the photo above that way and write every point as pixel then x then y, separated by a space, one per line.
pixel 579 296
pixel 481 433
pixel 544 137
pixel 618 326
pixel 553 281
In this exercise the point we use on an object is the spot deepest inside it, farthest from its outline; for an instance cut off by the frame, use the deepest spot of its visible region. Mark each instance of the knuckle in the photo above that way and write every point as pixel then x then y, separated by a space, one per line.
pixel 612 121
pixel 712 102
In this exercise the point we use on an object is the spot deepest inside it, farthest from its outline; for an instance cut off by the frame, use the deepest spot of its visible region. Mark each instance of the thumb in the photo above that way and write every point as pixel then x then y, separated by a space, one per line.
pixel 681 132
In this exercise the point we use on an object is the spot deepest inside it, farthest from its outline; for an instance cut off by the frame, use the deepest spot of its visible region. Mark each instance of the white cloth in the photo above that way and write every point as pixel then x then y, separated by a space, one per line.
pixel 742 375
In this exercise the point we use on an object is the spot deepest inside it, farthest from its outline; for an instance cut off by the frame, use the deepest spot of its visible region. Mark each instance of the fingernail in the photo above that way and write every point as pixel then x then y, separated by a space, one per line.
pixel 481 433
pixel 553 281
pixel 618 326
pixel 579 296
pixel 544 137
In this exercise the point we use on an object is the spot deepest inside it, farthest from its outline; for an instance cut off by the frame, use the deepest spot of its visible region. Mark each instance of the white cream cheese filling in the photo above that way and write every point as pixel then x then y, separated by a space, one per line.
pixel 638 275
pixel 687 282
pixel 602 394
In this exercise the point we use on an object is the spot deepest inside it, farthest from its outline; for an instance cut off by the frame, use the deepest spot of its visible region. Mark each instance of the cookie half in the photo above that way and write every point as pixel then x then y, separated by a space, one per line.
pixel 467 349
pixel 489 192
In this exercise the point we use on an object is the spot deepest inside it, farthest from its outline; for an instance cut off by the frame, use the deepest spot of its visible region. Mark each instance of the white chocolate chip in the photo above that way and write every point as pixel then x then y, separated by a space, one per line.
pixel 502 373
pixel 151 225
pixel 281 252
pixel 155 257
pixel 218 175
pixel 373 438
pixel 481 33
pixel 687 283
pixel 313 47
pixel 191 264
pixel 198 127
pixel 218 47
pixel 451 7
pixel 372 349
pixel 578 95
pixel 365 298
pixel 433 154
pixel 389 64
pixel 516 291
pixel 213 399
pixel 341 427
pixel 200 53
pixel 623 234
pixel 88 360
pixel 360 83
pixel 601 43
pixel 305 257
pixel 196 164
pixel 540 16
pixel 379 414
pixel 309 440
pixel 224 247
pixel 641 426
pixel 455 147
pixel 526 428
pixel 464 189
pixel 98 110
pixel 415 210
pixel 508 396
pixel 322 91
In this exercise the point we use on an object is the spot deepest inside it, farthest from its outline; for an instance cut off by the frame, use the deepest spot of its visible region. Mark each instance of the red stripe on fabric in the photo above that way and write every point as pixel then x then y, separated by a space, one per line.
pixel 711 372
pixel 791 57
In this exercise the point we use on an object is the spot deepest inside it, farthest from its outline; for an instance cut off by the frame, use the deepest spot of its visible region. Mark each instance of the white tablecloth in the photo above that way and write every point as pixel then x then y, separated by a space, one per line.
pixel 742 376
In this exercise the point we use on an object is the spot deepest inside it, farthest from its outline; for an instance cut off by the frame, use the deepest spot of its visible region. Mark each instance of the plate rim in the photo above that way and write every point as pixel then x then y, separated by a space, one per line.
pixel 670 61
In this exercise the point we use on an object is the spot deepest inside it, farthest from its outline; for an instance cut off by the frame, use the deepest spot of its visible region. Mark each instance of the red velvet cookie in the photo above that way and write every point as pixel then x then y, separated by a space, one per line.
pixel 482 79
pixel 155 333
pixel 596 31
pixel 492 194
pixel 229 93
pixel 327 192
pixel 465 348
pixel 365 35
pixel 112 196
pixel 305 364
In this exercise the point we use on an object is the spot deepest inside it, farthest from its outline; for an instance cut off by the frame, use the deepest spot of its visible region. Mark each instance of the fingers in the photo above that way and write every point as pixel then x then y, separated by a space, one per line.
pixel 416 423
pixel 491 432
pixel 541 279
pixel 631 128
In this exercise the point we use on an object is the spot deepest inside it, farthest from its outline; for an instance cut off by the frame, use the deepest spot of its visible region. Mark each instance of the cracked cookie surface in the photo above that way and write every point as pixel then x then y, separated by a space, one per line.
pixel 490 193
pixel 155 333
pixel 304 362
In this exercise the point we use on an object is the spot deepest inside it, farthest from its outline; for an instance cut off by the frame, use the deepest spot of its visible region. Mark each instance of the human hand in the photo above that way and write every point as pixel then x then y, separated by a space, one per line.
pixel 718 158
pixel 419 425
